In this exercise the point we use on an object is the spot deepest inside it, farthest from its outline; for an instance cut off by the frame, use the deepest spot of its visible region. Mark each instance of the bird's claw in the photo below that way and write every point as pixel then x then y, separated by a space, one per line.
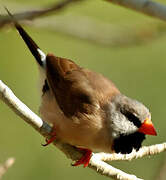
pixel 49 141
pixel 84 159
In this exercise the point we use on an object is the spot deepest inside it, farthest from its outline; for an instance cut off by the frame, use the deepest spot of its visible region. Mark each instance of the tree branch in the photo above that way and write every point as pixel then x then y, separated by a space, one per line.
pixel 33 14
pixel 4 167
pixel 147 7
pixel 97 161
pixel 90 29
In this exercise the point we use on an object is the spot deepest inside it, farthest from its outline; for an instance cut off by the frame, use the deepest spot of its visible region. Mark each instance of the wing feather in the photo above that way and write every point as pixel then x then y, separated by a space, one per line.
pixel 69 85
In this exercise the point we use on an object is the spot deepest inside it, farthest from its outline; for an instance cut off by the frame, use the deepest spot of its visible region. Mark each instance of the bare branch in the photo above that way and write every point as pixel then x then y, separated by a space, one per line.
pixel 147 7
pixel 97 161
pixel 32 14
pixel 98 158
pixel 144 151
pixel 90 29
pixel 108 170
pixel 4 167
pixel 19 108
pixel 112 35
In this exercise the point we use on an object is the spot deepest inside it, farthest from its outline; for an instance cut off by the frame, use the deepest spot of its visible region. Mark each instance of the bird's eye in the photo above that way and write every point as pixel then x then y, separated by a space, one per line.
pixel 131 117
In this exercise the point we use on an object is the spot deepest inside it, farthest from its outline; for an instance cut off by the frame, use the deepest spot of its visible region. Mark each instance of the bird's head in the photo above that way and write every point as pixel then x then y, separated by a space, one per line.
pixel 129 122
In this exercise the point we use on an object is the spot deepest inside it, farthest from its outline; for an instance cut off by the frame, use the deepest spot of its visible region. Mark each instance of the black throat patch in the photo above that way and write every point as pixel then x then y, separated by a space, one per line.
pixel 125 143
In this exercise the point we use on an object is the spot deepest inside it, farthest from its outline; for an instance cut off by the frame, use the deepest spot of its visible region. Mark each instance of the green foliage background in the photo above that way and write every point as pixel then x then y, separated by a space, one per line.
pixel 139 71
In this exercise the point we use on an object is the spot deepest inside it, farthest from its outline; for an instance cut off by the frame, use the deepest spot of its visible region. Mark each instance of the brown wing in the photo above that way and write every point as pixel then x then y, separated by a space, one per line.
pixel 69 85
pixel 77 90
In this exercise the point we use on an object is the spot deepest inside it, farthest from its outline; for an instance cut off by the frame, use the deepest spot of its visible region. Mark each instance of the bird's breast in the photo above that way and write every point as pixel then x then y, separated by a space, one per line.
pixel 84 130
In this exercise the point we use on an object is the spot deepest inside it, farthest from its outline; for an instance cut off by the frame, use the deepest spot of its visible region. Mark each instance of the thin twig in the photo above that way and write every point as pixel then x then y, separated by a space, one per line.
pixel 4 167
pixel 33 14
pixel 147 7
pixel 90 29
pixel 144 151
pixel 111 35
pixel 108 170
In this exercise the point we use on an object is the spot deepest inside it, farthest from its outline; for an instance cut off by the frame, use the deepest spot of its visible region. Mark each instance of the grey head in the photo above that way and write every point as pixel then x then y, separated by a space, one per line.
pixel 125 116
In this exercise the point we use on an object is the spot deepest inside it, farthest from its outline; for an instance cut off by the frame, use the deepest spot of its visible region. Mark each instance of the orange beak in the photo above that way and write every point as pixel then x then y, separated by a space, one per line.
pixel 147 128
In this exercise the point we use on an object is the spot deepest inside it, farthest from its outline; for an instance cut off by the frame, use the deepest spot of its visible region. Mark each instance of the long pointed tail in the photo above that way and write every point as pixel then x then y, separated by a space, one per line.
pixel 33 47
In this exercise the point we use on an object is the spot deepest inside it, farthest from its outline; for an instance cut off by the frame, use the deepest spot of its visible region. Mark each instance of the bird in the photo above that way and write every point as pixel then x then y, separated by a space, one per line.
pixel 85 108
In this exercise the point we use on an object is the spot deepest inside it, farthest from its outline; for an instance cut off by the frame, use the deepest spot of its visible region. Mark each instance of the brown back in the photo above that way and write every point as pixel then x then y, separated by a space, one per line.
pixel 77 90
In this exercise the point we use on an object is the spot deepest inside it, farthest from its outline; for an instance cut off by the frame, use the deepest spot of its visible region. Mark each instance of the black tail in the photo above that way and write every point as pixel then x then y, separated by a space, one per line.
pixel 33 47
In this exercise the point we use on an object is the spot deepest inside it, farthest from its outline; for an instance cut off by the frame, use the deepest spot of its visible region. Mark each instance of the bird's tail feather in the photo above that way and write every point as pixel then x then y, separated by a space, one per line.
pixel 33 47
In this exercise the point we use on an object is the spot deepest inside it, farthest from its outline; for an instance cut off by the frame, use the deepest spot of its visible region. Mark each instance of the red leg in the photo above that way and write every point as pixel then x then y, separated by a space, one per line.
pixel 85 158
pixel 52 138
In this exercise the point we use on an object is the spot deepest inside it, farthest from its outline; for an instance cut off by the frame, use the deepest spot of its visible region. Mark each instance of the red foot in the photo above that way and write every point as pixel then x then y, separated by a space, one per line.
pixel 49 141
pixel 85 158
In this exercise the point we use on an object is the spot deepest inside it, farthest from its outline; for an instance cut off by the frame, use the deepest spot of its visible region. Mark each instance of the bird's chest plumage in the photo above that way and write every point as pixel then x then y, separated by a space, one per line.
pixel 84 130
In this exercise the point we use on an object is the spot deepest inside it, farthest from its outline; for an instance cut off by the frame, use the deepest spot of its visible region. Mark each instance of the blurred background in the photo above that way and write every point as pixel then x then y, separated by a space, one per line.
pixel 125 46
